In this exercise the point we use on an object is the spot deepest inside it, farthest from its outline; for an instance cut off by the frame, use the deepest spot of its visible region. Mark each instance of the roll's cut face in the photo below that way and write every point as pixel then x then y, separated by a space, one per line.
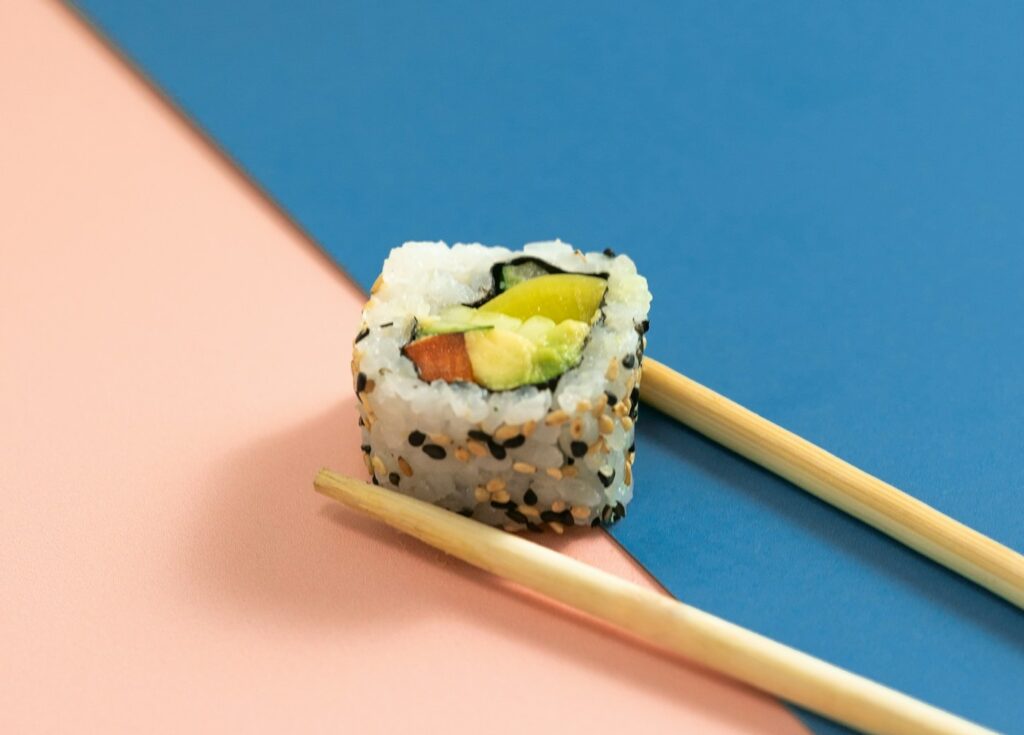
pixel 504 385
pixel 528 334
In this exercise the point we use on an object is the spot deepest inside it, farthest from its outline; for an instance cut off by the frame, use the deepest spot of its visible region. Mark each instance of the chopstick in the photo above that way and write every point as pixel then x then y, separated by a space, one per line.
pixel 908 520
pixel 672 625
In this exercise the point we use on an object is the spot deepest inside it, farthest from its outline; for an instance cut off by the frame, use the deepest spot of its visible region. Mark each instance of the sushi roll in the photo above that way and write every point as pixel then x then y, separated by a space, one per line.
pixel 502 384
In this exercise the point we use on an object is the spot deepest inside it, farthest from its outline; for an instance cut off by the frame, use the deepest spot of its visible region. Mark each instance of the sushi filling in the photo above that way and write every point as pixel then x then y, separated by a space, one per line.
pixel 531 331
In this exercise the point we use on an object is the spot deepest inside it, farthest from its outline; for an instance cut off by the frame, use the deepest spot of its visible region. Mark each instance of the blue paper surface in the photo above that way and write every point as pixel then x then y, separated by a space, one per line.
pixel 826 198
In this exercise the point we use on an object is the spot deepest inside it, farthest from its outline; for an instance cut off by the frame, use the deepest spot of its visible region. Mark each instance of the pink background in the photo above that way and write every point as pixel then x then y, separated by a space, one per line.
pixel 173 370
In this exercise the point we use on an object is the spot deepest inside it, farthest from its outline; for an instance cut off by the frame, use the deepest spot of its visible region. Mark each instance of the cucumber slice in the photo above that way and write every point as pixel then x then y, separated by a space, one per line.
pixel 427 328
pixel 515 273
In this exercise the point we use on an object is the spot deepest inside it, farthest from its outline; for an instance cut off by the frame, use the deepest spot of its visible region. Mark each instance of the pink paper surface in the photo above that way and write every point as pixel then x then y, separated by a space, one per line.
pixel 173 370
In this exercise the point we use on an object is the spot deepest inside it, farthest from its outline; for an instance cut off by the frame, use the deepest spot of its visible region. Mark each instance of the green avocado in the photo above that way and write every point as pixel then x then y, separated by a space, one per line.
pixel 537 351
pixel 558 348
pixel 501 359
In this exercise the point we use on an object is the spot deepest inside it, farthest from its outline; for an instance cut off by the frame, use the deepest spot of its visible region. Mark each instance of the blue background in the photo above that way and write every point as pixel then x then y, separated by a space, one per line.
pixel 827 200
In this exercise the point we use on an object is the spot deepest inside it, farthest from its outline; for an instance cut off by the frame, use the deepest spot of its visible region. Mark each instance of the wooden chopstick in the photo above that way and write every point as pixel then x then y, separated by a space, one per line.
pixel 890 510
pixel 700 637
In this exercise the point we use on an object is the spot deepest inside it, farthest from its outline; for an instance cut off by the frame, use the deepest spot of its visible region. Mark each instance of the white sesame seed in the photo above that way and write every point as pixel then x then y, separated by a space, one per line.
pixel 495 484
pixel 555 418
pixel 500 497
pixel 506 432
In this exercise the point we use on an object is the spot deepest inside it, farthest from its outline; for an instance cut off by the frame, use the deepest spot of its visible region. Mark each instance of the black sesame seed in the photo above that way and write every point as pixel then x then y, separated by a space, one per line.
pixel 632 448
pixel 530 497
pixel 362 335
pixel 629 361
pixel 612 398
pixel 517 441
pixel 596 522
pixel 417 437
pixel 534 527
pixel 515 515
pixel 570 460
pixel 366 448
pixel 606 480
pixel 578 449
pixel 645 325
pixel 503 506
pixel 360 422
pixel 468 512
pixel 395 478
pixel 620 511
pixel 634 396
pixel 549 515
pixel 375 480
pixel 565 518
pixel 388 324
pixel 434 452
pixel 482 436
pixel 497 451
pixel 360 382
pixel 609 252
pixel 606 513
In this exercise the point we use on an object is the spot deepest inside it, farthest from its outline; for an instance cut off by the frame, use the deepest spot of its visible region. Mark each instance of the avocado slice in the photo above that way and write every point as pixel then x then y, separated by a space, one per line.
pixel 560 348
pixel 537 352
pixel 501 359
pixel 557 296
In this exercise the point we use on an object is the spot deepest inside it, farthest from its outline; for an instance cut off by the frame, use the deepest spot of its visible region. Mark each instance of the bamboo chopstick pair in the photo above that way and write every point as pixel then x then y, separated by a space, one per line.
pixel 700 637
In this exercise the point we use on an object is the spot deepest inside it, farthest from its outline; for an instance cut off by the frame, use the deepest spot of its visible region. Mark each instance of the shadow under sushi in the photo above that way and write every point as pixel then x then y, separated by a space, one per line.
pixel 266 547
